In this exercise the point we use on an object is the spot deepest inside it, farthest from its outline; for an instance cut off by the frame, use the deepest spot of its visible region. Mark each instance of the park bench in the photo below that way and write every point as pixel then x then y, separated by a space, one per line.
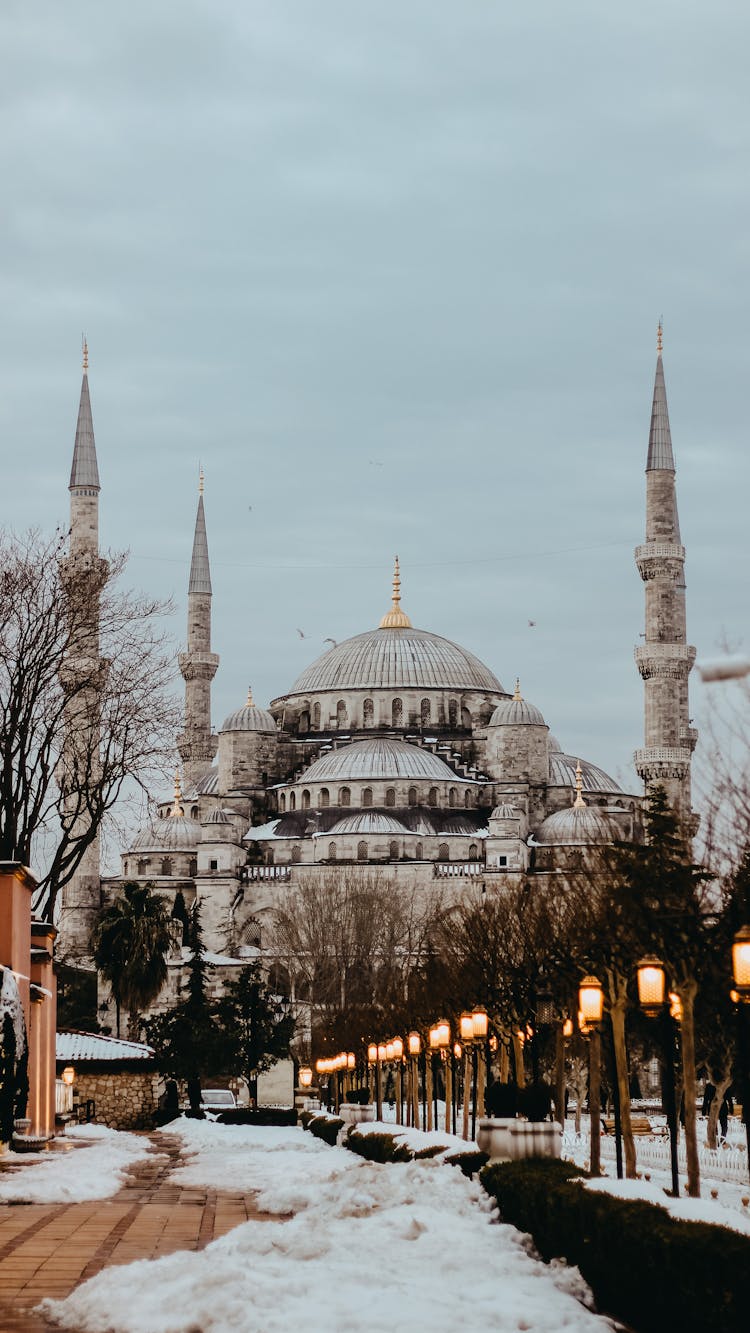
pixel 640 1124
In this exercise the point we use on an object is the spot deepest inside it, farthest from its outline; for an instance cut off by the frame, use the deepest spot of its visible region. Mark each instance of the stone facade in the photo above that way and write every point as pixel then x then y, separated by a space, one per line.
pixel 123 1099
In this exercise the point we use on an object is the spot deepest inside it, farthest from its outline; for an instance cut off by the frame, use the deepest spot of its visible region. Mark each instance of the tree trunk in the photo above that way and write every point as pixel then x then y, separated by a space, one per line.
pixel 504 1063
pixel 518 1057
pixel 595 1103
pixel 428 1089
pixel 467 1092
pixel 721 1085
pixel 687 996
pixel 560 1076
pixel 617 1015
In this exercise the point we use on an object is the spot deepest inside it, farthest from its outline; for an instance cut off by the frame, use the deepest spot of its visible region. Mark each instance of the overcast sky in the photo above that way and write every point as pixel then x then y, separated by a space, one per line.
pixel 392 272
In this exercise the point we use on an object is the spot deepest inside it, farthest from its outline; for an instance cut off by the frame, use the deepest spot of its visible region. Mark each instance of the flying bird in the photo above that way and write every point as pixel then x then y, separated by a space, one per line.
pixel 333 641
pixel 532 623
pixel 302 636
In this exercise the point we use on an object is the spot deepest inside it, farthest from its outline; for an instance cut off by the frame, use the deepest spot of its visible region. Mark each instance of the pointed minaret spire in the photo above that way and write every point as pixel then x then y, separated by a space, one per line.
pixel 200 573
pixel 664 658
pixel 660 456
pixel 197 745
pixel 396 618
pixel 517 692
pixel 84 473
pixel 579 803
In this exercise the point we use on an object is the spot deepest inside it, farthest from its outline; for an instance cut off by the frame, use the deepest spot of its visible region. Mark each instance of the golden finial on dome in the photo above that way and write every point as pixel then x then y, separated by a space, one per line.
pixel 579 803
pixel 177 808
pixel 659 337
pixel 85 353
pixel 250 703
pixel 517 693
pixel 396 618
pixel 200 479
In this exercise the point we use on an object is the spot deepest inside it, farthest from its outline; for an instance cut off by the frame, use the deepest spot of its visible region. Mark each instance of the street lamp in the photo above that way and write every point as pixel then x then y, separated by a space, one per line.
pixel 68 1076
pixel 667 1009
pixel 305 1076
pixel 440 1040
pixel 741 978
pixel 414 1042
pixel 590 1010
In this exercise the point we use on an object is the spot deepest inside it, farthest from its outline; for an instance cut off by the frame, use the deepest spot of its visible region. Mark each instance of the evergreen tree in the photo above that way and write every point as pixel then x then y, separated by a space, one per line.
pixel 257 1025
pixel 187 1040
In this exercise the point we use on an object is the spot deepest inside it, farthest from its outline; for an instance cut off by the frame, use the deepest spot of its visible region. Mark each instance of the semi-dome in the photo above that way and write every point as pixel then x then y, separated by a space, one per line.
pixel 379 758
pixel 517 712
pixel 368 821
pixel 578 826
pixel 249 718
pixel 562 773
pixel 171 833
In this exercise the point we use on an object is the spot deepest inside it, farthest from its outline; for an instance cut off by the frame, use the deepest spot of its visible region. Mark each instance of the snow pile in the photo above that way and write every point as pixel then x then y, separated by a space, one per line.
pixel 95 1170
pixel 684 1209
pixel 372 1248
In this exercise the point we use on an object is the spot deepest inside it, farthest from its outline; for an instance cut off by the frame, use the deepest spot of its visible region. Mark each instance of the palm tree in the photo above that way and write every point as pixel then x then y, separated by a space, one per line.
pixel 130 941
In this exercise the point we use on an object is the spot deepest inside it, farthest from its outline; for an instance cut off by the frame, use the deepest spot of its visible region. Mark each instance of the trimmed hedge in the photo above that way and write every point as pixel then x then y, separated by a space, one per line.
pixel 434 1150
pixel 377 1147
pixel 305 1117
pixel 643 1266
pixel 261 1115
pixel 326 1128
pixel 468 1162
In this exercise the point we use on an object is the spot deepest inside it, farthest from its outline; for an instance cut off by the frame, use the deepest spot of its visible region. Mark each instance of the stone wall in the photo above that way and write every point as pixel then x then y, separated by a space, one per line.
pixel 124 1099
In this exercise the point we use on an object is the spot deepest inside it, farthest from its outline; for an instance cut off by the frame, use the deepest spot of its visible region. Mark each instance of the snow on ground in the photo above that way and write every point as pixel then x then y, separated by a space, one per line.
pixel 371 1248
pixel 92 1167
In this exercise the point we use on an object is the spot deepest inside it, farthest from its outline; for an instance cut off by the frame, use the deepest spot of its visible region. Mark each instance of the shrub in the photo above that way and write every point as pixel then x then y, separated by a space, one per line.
pixel 305 1117
pixel 534 1102
pixel 377 1147
pixel 326 1128
pixel 468 1162
pixel 501 1099
pixel 260 1115
pixel 643 1266
pixel 358 1097
pixel 432 1151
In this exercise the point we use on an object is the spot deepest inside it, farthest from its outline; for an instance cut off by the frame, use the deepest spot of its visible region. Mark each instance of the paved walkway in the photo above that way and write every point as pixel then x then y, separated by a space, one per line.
pixel 48 1249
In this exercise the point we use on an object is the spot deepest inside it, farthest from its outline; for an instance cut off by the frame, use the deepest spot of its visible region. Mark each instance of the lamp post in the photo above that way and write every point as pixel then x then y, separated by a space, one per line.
pixel 653 1002
pixel 741 978
pixel 466 1029
pixel 397 1055
pixel 373 1060
pixel 415 1046
pixel 440 1038
pixel 591 1008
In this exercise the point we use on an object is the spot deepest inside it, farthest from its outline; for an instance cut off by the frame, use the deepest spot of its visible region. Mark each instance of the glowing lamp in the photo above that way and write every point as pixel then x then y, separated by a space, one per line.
pixel 398 1048
pixel 466 1027
pixel 651 985
pixel 458 1050
pixel 415 1043
pixel 675 1006
pixel 372 1054
pixel 545 1008
pixel 389 1051
pixel 382 1052
pixel 480 1023
pixel 68 1075
pixel 741 962
pixel 568 1027
pixel 591 1001
pixel 305 1076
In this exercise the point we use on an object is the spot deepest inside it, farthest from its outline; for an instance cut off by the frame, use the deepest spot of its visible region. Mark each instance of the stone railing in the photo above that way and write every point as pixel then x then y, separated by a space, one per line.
pixel 660 551
pixel 449 869
pixel 63 1097
pixel 266 872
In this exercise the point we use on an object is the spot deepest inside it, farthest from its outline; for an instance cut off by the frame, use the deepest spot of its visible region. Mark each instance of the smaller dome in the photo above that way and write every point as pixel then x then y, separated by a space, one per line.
pixel 578 826
pixel 216 817
pixel 249 718
pixel 517 712
pixel 171 833
pixel 369 821
pixel 553 745
pixel 505 811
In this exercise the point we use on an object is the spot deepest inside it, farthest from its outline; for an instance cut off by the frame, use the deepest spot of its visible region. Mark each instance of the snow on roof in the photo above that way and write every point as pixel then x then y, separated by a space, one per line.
pixel 82 1046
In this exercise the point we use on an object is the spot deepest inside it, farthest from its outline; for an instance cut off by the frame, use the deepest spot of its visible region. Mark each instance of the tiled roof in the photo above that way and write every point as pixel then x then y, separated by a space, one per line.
pixel 82 1046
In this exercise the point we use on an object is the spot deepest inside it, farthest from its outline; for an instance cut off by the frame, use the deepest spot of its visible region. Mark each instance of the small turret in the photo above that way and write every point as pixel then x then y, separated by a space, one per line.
pixel 516 745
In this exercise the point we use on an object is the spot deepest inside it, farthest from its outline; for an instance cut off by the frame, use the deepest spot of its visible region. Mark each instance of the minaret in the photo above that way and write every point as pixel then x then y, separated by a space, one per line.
pixel 83 572
pixel 197 746
pixel 665 657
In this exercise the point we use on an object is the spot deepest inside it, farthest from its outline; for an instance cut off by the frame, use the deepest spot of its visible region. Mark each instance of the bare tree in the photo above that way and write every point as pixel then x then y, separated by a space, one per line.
pixel 85 703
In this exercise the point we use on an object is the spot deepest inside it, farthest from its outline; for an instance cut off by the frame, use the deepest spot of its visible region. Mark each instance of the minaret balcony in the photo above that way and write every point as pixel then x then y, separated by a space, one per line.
pixel 198 665
pixel 656 763
pixel 689 736
pixel 670 661
pixel 660 560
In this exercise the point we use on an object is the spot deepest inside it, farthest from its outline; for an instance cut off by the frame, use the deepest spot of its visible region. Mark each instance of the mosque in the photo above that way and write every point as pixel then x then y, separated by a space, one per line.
pixel 396 750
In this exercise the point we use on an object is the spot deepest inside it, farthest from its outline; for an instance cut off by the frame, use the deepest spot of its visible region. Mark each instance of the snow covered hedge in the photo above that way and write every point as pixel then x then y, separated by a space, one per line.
pixel 643 1266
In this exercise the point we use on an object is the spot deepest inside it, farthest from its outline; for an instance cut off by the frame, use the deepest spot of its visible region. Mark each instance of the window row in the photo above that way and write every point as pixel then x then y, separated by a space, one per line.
pixel 312 719
pixel 394 852
pixel 455 799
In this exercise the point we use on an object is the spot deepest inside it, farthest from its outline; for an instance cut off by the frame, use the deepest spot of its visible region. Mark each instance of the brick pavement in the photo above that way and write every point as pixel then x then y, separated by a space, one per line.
pixel 48 1249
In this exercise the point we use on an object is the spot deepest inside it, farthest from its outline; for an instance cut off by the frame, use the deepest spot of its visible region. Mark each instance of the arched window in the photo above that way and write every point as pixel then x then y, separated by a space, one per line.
pixel 304 721
pixel 305 800
pixel 467 797
pixel 342 716
pixel 142 867
pixel 166 866
pixel 268 856
pixel 325 798
pixel 282 802
pixel 194 812
pixel 292 801
pixel 473 852
pixel 419 851
pixel 452 713
pixel 278 980
pixel 452 796
pixel 397 713
pixel 425 712
pixel 361 851
pixel 345 796
pixel 390 796
pixel 193 866
pixel 367 796
pixel 296 855
pixel 316 717
pixel 412 796
pixel 432 799
pixel 443 852
pixel 465 718
pixel 368 713
pixel 331 851
pixel 393 851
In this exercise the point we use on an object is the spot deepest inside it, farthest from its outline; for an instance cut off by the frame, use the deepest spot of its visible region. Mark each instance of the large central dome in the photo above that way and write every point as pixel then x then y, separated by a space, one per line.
pixel 386 658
